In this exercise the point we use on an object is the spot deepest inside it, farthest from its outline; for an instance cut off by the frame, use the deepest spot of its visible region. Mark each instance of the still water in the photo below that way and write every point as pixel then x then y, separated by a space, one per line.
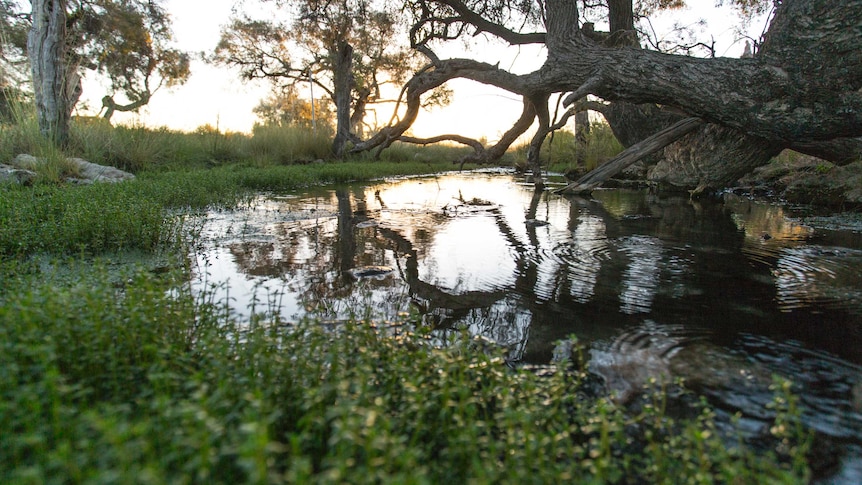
pixel 724 294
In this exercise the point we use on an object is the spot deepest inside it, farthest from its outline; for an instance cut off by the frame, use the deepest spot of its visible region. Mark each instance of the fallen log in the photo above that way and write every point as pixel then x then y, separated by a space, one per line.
pixel 631 155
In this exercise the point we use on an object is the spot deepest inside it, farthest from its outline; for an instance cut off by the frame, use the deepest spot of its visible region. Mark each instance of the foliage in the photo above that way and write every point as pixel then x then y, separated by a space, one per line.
pixel 129 42
pixel 13 62
pixel 134 378
pixel 285 107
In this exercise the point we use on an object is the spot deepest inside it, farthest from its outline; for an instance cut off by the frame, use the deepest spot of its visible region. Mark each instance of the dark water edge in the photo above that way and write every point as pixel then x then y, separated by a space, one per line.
pixel 724 294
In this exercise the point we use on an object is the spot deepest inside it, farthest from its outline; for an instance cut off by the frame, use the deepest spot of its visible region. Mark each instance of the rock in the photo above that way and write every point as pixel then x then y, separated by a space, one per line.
pixel 100 173
pixel 27 162
pixel 87 172
pixel 808 180
pixel 10 174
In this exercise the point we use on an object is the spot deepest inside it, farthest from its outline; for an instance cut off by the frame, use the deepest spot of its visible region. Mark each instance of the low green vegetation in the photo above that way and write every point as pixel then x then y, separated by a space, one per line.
pixel 135 379
pixel 561 152
pixel 121 373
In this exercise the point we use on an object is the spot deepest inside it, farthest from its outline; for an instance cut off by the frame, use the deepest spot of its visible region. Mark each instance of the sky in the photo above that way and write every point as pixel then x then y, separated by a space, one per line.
pixel 217 97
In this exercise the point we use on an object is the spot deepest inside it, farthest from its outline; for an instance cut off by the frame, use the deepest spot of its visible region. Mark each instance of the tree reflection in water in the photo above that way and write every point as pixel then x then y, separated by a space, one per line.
pixel 525 269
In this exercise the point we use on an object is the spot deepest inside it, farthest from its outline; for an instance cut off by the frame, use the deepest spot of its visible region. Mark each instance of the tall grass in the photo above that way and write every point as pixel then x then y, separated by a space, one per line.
pixel 562 152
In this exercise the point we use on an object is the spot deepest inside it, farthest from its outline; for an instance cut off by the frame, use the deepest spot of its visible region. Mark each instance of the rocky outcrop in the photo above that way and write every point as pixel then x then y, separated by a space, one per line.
pixel 84 172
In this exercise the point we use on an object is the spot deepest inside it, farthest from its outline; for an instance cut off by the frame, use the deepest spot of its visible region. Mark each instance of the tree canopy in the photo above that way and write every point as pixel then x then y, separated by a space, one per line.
pixel 350 50
pixel 128 41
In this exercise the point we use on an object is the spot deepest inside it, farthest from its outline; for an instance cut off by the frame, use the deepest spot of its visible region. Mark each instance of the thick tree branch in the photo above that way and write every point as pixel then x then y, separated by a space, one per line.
pixel 631 155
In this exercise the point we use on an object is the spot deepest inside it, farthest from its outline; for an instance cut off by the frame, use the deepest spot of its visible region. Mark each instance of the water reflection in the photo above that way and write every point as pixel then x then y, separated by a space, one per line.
pixel 728 293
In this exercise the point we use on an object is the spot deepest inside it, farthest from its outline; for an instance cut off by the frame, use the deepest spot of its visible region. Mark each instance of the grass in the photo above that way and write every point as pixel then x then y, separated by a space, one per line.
pixel 120 373
pixel 562 152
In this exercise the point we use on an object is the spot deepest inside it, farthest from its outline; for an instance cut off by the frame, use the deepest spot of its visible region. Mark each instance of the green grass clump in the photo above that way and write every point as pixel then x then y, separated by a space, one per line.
pixel 561 153
pixel 145 382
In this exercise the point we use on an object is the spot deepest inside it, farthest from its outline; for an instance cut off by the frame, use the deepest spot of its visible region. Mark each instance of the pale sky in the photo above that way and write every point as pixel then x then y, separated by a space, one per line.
pixel 217 96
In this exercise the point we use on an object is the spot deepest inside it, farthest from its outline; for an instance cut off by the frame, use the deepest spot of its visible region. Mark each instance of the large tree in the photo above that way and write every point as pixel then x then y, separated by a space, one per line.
pixel 802 88
pixel 349 49
pixel 126 40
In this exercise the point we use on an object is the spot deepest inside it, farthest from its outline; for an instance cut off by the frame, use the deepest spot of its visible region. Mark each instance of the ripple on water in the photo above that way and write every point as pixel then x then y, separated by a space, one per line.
pixel 827 277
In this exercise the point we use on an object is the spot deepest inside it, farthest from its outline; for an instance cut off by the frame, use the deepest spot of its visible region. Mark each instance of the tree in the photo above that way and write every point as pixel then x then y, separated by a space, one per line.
pixel 287 108
pixel 349 49
pixel 802 88
pixel 56 83
pixel 129 42
pixel 126 40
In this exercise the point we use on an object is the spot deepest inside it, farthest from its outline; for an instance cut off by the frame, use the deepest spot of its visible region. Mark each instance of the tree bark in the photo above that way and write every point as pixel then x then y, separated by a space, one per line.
pixel 582 132
pixel 343 74
pixel 56 83
pixel 631 155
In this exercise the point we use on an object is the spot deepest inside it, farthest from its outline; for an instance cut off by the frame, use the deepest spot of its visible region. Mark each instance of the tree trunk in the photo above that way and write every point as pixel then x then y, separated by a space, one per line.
pixel 711 158
pixel 358 116
pixel 343 73
pixel 582 132
pixel 56 83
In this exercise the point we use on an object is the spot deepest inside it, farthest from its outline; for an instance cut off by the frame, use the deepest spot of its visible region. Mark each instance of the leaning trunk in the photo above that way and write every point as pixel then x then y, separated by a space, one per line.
pixel 716 156
pixel 56 83
pixel 343 85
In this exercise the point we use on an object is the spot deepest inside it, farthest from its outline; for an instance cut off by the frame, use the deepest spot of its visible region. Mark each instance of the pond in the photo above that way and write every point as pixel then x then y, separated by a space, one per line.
pixel 721 293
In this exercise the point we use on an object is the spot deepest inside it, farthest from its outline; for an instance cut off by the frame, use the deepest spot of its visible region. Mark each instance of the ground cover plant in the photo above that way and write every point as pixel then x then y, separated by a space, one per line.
pixel 121 373
pixel 137 380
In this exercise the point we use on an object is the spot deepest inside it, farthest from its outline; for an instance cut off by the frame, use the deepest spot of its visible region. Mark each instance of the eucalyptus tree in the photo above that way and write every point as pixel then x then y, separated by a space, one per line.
pixel 13 61
pixel 349 49
pixel 126 40
pixel 800 89
pixel 285 107
pixel 130 42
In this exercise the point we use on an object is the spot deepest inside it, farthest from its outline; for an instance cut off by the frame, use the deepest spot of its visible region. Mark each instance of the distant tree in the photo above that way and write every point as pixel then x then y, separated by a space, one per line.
pixel 349 49
pixel 285 107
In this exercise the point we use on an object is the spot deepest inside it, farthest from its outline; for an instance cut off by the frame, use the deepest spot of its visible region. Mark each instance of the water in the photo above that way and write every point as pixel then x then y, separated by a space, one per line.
pixel 724 294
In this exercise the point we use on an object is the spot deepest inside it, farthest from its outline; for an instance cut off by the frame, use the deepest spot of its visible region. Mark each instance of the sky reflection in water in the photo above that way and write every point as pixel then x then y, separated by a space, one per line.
pixel 763 292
